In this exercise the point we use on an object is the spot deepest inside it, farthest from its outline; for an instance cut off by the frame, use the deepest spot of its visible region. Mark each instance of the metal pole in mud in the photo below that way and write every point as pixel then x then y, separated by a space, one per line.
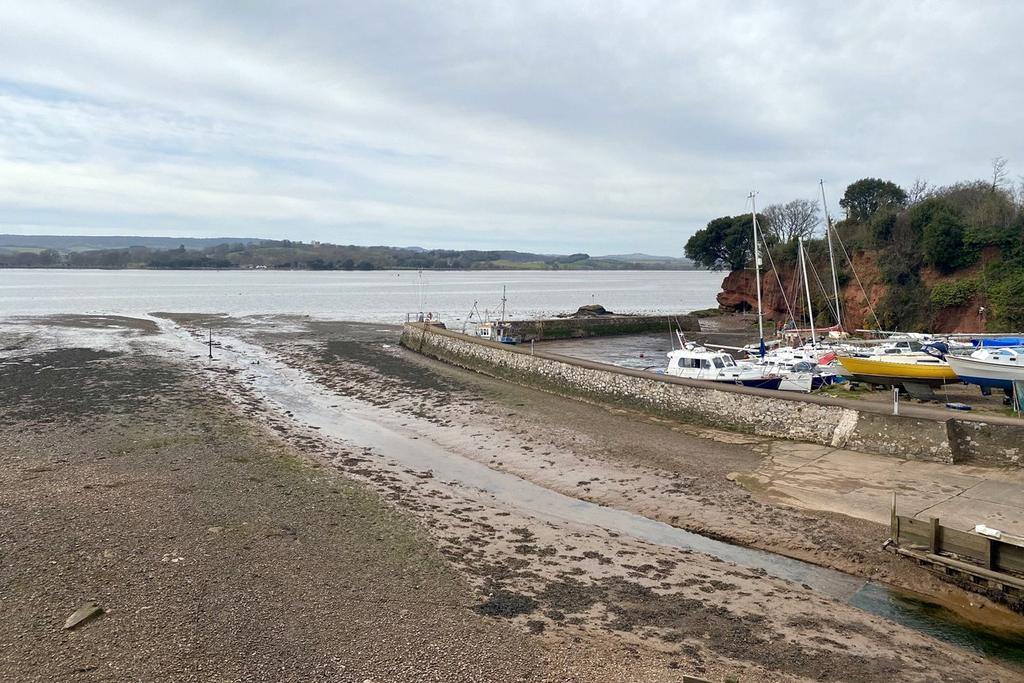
pixel 211 343
pixel 895 400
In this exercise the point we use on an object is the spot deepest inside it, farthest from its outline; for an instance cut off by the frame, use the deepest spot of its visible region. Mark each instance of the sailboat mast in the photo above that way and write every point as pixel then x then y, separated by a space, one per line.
pixel 807 289
pixel 503 303
pixel 757 265
pixel 831 257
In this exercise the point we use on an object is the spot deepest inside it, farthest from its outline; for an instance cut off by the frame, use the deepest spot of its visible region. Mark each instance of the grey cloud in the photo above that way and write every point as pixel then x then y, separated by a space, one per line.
pixel 583 126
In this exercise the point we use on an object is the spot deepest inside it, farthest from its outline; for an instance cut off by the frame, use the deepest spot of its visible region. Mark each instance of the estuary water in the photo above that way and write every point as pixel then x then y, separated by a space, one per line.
pixel 374 296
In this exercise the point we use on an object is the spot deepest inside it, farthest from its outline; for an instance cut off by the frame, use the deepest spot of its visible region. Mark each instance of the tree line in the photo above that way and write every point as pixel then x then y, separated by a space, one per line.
pixel 288 254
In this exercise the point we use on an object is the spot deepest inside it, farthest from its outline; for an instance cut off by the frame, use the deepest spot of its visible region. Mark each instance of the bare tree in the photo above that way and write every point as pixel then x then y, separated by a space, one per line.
pixel 786 222
pixel 999 172
pixel 919 191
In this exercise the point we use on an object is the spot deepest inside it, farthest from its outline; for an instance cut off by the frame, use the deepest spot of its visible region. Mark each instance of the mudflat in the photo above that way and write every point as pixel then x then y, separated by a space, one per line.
pixel 213 550
pixel 317 503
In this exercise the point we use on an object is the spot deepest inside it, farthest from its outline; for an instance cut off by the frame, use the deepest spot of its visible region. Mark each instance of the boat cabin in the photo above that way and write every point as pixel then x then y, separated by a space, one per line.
pixel 692 357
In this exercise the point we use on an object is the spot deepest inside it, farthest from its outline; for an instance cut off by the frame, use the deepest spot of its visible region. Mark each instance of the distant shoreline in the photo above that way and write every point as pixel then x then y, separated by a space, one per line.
pixel 366 270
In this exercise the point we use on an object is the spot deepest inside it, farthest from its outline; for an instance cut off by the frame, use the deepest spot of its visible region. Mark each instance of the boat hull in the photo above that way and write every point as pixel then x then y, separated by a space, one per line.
pixel 891 373
pixel 758 383
pixel 986 373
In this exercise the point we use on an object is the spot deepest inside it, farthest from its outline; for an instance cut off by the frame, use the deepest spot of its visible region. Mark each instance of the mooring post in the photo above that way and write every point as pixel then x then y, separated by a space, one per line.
pixel 211 342
pixel 894 525
pixel 531 347
pixel 895 400
pixel 933 536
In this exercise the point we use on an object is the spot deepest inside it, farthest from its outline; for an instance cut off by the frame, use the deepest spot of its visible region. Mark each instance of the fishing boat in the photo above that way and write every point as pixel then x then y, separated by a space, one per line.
pixel 990 368
pixel 696 362
pixel 899 368
pixel 496 331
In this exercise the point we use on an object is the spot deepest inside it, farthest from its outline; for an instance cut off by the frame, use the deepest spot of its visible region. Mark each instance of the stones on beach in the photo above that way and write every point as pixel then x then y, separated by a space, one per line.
pixel 87 611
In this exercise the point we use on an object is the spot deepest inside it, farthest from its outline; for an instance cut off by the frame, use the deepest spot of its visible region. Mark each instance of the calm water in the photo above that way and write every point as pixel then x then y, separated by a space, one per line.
pixel 377 296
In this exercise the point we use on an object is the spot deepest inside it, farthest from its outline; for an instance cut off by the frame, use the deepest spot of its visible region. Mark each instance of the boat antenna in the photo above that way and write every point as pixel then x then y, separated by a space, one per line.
pixel 831 257
pixel 470 317
pixel 757 267
pixel 807 289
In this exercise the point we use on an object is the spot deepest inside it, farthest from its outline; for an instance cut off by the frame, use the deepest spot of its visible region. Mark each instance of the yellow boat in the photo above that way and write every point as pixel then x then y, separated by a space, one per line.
pixel 897 369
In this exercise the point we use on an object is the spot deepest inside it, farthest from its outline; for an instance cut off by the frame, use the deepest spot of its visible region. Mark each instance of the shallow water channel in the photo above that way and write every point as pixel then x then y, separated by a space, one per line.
pixel 361 425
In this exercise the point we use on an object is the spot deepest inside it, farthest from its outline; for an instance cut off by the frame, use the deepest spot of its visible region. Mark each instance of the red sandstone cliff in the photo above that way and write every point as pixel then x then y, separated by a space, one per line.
pixel 739 293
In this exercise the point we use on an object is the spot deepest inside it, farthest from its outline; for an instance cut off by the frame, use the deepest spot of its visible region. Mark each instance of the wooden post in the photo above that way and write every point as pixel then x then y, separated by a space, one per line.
pixel 894 522
pixel 933 538
pixel 991 553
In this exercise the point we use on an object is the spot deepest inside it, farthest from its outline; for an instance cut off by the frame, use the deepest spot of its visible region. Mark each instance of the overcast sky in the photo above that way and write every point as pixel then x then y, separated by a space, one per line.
pixel 544 126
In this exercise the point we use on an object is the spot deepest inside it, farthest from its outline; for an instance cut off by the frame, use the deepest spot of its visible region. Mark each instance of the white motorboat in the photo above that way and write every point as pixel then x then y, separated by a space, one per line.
pixel 990 367
pixel 696 362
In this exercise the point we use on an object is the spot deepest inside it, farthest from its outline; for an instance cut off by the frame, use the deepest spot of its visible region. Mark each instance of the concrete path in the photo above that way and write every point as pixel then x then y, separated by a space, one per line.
pixel 861 485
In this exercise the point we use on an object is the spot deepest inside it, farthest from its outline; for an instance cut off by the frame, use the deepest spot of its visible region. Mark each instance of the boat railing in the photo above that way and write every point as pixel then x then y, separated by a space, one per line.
pixel 423 317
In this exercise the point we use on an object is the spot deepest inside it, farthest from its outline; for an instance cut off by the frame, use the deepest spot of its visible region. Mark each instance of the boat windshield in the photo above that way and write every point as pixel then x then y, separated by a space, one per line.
pixel 718 362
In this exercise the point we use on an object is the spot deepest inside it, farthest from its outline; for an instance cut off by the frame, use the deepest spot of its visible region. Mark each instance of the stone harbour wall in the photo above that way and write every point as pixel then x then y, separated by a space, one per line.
pixel 601 326
pixel 754 411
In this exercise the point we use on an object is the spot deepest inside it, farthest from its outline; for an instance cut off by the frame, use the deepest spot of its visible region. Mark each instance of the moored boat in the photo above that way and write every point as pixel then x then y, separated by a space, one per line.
pixel 996 368
pixel 696 362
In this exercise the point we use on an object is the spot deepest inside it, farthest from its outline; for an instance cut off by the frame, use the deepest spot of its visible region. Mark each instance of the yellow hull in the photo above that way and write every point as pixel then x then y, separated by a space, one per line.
pixel 931 373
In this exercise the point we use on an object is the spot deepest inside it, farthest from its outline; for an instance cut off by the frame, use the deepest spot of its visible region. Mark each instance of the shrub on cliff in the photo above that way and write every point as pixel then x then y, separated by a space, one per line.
pixel 1005 296
pixel 954 293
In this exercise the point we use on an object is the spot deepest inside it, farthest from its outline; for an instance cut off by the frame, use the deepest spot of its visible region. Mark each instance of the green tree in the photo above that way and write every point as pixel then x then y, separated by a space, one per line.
pixel 726 242
pixel 866 196
pixel 943 243
pixel 943 232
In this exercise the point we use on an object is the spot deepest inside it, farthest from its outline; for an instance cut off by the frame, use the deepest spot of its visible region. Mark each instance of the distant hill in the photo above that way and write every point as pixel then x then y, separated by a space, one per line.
pixel 90 242
pixel 648 258
pixel 59 251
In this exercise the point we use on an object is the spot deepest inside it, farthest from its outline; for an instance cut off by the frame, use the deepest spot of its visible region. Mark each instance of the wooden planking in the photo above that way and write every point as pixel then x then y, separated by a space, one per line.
pixel 987 552
pixel 1011 558
pixel 965 543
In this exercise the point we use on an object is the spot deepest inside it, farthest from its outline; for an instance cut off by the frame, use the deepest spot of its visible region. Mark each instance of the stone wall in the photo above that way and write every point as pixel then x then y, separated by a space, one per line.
pixel 755 411
pixel 601 325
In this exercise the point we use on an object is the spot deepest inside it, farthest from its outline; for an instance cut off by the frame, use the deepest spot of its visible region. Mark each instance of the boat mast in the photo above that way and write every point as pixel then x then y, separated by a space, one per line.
pixel 503 300
pixel 757 266
pixel 807 289
pixel 831 257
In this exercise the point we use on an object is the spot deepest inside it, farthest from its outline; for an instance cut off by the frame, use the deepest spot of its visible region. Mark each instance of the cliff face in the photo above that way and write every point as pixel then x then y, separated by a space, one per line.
pixel 739 293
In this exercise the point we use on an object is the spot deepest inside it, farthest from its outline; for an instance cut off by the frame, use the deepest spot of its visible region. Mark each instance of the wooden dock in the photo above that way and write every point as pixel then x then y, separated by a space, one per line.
pixel 985 564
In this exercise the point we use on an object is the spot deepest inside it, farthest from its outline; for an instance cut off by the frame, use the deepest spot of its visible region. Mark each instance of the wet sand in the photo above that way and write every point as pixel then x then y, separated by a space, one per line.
pixel 585 602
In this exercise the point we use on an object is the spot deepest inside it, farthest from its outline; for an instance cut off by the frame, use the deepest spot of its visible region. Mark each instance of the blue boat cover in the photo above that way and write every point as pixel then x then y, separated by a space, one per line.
pixel 1000 342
